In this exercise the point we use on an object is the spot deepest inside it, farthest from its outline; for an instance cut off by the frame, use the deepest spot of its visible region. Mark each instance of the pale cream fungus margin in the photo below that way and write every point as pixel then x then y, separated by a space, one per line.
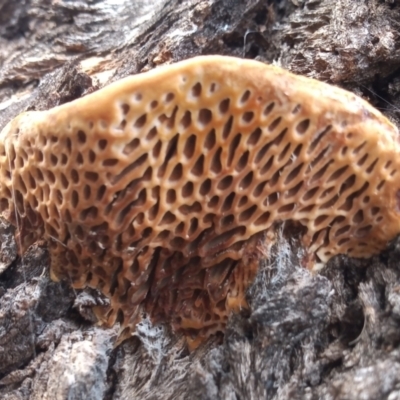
pixel 158 189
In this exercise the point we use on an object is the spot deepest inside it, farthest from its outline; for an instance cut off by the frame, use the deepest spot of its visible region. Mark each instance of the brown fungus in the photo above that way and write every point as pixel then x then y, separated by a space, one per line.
pixel 156 188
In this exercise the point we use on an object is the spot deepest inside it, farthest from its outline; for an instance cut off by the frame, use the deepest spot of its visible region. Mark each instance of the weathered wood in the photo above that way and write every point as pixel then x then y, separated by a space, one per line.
pixel 334 335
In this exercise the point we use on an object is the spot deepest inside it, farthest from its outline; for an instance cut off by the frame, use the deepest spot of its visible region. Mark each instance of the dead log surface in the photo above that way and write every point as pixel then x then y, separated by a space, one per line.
pixel 333 336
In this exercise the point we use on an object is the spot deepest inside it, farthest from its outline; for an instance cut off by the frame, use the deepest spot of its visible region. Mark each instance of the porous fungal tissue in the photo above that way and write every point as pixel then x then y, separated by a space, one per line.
pixel 152 188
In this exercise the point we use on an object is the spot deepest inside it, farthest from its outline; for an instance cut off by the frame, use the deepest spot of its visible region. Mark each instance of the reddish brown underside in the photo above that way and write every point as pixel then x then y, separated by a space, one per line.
pixel 158 189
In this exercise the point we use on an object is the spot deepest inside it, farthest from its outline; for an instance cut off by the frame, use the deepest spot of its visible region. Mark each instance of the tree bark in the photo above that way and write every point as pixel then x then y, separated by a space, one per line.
pixel 333 335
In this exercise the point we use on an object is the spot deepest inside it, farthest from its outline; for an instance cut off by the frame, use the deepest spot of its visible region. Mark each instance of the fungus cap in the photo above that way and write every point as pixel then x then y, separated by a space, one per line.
pixel 157 188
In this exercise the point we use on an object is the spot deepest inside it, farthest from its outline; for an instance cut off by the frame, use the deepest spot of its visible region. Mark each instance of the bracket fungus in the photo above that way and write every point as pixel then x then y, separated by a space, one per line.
pixel 151 188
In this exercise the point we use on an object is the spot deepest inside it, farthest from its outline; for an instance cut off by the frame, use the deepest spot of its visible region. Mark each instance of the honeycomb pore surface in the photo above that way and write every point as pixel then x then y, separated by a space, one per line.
pixel 157 189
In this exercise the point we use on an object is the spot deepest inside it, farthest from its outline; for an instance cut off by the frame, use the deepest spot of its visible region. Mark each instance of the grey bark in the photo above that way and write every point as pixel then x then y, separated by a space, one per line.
pixel 334 335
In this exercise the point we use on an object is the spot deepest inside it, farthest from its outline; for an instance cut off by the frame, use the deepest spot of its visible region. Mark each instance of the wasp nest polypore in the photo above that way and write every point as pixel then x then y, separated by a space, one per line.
pixel 149 188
